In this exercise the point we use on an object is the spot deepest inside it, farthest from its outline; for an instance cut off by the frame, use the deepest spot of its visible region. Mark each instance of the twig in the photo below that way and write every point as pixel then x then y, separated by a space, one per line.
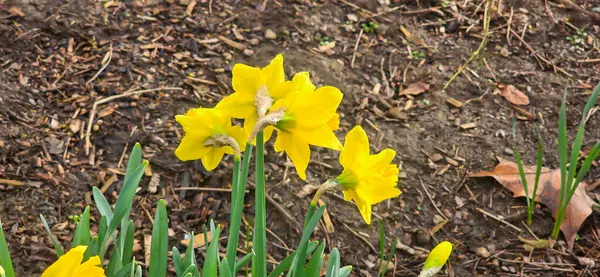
pixel 356 48
pixel 295 224
pixel 205 189
pixel 475 54
pixel 510 18
pixel 499 218
pixel 431 198
pixel 108 99
pixel 359 236
pixel 108 58
pixel 533 52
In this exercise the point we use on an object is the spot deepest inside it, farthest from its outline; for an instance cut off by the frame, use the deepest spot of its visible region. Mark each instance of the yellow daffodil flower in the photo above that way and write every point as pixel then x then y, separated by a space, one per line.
pixel 246 81
pixel 367 179
pixel 70 264
pixel 208 136
pixel 2 272
pixel 436 259
pixel 308 118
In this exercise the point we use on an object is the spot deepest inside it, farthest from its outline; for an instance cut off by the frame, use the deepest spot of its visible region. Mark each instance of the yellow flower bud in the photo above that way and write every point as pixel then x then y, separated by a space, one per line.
pixel 436 259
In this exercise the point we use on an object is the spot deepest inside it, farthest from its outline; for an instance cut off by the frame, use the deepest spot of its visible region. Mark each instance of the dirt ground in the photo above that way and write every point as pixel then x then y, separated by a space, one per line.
pixel 52 71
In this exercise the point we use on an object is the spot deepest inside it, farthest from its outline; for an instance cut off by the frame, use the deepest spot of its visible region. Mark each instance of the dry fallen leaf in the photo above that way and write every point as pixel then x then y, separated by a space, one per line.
pixel 415 88
pixel 198 240
pixel 513 95
pixel 548 193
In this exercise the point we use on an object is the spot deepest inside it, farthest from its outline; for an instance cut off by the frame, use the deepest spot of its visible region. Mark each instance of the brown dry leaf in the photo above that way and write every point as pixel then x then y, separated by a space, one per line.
pixel 513 95
pixel 198 240
pixel 548 193
pixel 415 88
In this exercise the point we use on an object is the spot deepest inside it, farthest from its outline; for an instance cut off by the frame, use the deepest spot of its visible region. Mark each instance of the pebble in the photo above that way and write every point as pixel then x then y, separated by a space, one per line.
pixel 254 41
pixel 504 52
pixel 437 219
pixel 352 17
pixel 422 238
pixel 481 251
pixel 248 52
pixel 270 34
pixel 508 151
pixel 437 157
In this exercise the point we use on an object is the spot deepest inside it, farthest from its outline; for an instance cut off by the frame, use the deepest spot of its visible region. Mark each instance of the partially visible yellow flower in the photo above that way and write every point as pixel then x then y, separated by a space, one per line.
pixel 69 265
pixel 436 259
pixel 309 118
pixel 246 81
pixel 2 272
pixel 367 179
pixel 205 131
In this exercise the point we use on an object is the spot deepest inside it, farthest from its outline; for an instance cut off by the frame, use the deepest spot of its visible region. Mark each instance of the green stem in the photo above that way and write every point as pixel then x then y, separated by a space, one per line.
pixel 259 243
pixel 237 205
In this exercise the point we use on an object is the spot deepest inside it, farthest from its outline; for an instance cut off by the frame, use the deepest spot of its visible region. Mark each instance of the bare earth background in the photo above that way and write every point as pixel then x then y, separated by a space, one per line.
pixel 50 52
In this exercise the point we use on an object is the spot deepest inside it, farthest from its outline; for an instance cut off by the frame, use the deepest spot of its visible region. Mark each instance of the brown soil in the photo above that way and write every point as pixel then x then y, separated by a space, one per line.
pixel 48 55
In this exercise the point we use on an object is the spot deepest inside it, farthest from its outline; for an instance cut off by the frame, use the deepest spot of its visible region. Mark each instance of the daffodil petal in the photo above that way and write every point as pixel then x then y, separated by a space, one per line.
pixel 375 189
pixel 364 208
pixel 66 264
pixel 214 156
pixel 296 149
pixel 246 79
pixel 273 73
pixel 379 162
pixel 316 109
pixel 90 268
pixel 322 137
pixel 302 84
pixel 237 105
pixel 191 148
pixel 279 91
pixel 239 135
pixel 356 147
pixel 334 122
pixel 190 125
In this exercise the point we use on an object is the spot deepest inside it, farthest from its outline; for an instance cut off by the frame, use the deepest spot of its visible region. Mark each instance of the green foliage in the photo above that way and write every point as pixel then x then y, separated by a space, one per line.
pixel 369 27
pixel 159 245
pixel 5 261
pixel 418 55
pixel 577 40
pixel 570 177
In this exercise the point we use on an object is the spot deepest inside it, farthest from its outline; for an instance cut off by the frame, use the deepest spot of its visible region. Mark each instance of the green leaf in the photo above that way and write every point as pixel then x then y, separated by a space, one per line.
pixel 93 248
pixel 127 270
pixel 585 167
pixel 243 261
pixel 192 268
pixel 159 245
pixel 333 265
pixel 287 262
pixel 138 271
pixel 224 268
pixel 212 253
pixel 135 159
pixel 306 233
pixel 190 256
pixel 82 232
pixel 259 240
pixel 114 264
pixel 313 268
pixel 562 157
pixel 345 271
pixel 57 247
pixel 102 204
pixel 5 260
pixel 177 261
pixel 128 243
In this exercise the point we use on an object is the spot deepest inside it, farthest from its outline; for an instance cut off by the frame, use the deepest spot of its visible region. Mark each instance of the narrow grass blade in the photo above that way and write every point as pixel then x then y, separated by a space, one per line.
pixel 381 243
pixel 259 242
pixel 190 256
pixel 57 247
pixel 5 260
pixel 520 163
pixel 314 265
pixel 177 262
pixel 333 265
pixel 102 204
pixel 562 157
pixel 82 232
pixel 288 261
pixel 585 167
pixel 128 243
pixel 389 258
pixel 159 246
pixel 243 261
pixel 306 233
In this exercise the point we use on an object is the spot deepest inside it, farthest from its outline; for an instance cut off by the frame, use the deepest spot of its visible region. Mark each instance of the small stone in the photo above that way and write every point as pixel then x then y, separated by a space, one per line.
pixel 254 41
pixel 512 269
pixel 352 17
pixel 270 34
pixel 396 113
pixel 508 151
pixel 96 127
pixel 248 52
pixel 422 238
pixel 437 219
pixel 481 251
pixel 504 52
pixel 437 157
pixel 504 268
pixel 1 143
pixel 54 124
pixel 75 125
pixel 467 126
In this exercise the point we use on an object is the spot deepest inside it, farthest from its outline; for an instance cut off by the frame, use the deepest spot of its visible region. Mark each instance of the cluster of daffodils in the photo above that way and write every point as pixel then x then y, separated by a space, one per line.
pixel 302 116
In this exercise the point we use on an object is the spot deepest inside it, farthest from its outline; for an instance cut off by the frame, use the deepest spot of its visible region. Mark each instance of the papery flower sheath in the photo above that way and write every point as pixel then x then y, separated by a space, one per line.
pixel 69 265
pixel 209 135
pixel 366 179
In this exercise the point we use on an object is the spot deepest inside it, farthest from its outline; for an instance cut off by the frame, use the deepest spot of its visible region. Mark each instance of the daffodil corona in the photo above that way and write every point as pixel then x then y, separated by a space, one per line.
pixel 366 179
pixel 436 259
pixel 208 136
pixel 69 265
pixel 307 117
